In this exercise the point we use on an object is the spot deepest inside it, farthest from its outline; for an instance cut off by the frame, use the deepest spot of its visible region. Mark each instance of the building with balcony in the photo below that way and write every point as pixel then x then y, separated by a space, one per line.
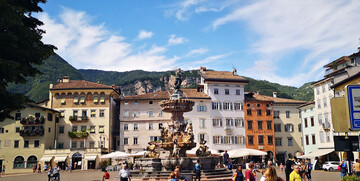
pixel 309 127
pixel 24 138
pixel 259 124
pixel 89 124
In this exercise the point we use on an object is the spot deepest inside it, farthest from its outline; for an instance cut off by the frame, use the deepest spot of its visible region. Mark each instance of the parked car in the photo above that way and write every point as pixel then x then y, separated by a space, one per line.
pixel 331 166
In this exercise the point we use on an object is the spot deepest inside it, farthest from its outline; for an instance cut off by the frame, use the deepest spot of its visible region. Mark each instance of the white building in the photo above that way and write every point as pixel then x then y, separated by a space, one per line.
pixel 309 127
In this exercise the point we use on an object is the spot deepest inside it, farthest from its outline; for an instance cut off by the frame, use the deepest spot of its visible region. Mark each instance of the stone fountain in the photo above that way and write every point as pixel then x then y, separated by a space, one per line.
pixel 177 138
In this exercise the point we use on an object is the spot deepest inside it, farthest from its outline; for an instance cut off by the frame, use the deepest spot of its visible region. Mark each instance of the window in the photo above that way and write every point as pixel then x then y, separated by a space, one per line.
pixel 250 140
pixel 82 99
pixel 322 140
pixel 102 113
pixel 269 125
pixel 260 139
pixel 313 139
pixel 325 102
pixel 227 91
pixel 1 130
pixel 50 117
pixel 270 140
pixel 101 129
pixel 126 141
pixel 278 141
pixel 61 129
pixel 83 128
pixel 239 122
pixel 17 116
pixel 307 139
pixel 150 126
pixel 318 90
pixel 150 102
pixel 318 103
pixel 320 119
pixel 201 137
pixel 96 99
pixel 305 122
pixel 91 144
pixel 26 143
pixel 82 144
pixel 227 139
pixel 136 114
pixel 126 127
pixel 326 115
pixel 160 113
pixel 299 127
pixel 136 127
pixel 151 113
pixel 16 143
pixel 312 121
pixel 249 124
pixel 328 137
pixel 36 143
pixel 216 91
pixel 226 105
pixel 276 114
pixel 76 99
pixel 289 128
pixel 92 129
pixel 323 88
pixel 102 99
pixel 63 100
pixel 218 140
pixel 93 113
pixel 260 125
pixel 268 112
pixel 135 141
pixel 74 129
pixel 75 113
pixel 201 108
pixel 74 144
pixel 238 92
pixel 229 122
pixel 126 114
pixel 155 138
pixel 17 129
pixel 290 141
pixel 84 113
pixel 19 162
pixel 258 112
pixel 136 103
pixel 161 125
pixel 202 123
pixel 238 106
pixel 277 127
pixel 215 106
pixel 248 112
pixel 287 114
pixel 217 122
pixel 60 145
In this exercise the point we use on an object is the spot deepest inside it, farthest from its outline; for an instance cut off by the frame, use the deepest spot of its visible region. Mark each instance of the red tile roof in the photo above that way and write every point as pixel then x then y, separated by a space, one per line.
pixel 79 84
pixel 162 95
pixel 259 97
pixel 222 76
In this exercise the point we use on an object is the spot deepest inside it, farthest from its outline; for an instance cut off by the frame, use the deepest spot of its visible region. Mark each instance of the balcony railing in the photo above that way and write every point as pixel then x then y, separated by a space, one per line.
pixel 32 131
pixel 326 126
pixel 80 134
pixel 32 120
pixel 78 118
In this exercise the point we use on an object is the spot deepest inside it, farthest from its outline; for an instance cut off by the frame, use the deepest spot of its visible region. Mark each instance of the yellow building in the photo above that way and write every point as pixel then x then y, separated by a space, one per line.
pixel 24 138
pixel 89 124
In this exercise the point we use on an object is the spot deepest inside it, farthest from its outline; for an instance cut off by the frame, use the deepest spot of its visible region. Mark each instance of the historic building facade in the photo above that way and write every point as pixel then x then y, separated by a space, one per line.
pixel 309 126
pixel 24 138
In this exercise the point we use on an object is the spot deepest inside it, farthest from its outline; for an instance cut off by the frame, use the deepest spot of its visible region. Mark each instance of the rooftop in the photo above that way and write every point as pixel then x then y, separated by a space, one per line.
pixel 162 95
pixel 258 97
pixel 221 76
pixel 79 84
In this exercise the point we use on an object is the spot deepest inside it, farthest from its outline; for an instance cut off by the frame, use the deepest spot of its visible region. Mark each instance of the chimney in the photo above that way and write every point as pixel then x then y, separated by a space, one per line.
pixel 234 72
pixel 258 92
pixel 66 79
pixel 274 94
pixel 51 86
pixel 202 69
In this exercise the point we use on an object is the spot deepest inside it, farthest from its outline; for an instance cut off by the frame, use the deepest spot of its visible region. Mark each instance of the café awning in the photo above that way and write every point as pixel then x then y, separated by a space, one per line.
pixel 90 157
pixel 46 158
pixel 319 152
pixel 60 158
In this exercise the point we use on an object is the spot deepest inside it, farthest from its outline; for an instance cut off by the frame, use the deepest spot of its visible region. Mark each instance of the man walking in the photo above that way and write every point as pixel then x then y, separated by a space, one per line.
pixel 288 168
pixel 198 170
pixel 225 157
pixel 295 176
pixel 124 174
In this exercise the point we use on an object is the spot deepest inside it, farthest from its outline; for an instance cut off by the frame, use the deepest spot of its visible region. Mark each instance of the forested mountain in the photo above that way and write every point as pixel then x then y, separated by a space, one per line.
pixel 139 81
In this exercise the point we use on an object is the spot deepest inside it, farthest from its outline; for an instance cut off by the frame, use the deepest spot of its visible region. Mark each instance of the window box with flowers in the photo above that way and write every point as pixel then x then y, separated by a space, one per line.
pixel 78 134
pixel 31 120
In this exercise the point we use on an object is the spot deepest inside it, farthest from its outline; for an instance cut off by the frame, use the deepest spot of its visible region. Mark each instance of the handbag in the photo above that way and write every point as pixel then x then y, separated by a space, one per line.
pixel 339 167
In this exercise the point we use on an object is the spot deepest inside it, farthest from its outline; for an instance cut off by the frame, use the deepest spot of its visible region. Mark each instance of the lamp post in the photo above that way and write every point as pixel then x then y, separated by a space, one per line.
pixel 349 152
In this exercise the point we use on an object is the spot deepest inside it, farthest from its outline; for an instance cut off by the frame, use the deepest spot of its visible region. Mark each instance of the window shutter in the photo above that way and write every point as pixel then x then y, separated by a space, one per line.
pixel 206 137
pixel 221 122
pixel 199 137
pixel 241 106
pixel 222 139
pixel 198 108
pixel 214 122
pixel 232 122
pixel 232 140
pixel 205 108
pixel 231 106
pixel 220 105
pixel 214 139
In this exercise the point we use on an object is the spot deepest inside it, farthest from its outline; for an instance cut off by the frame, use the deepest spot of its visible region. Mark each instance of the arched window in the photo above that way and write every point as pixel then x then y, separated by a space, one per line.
pixel 32 160
pixel 19 162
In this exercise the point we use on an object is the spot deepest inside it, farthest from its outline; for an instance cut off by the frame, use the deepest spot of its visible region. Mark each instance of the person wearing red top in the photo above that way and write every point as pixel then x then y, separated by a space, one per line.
pixel 105 176
pixel 249 176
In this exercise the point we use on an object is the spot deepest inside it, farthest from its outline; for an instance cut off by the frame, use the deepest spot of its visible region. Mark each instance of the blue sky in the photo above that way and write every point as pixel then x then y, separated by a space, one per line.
pixel 281 41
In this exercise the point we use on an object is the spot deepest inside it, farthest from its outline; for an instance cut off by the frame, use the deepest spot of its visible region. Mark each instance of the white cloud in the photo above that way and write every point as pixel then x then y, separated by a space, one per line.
pixel 85 45
pixel 320 30
pixel 211 59
pixel 197 51
pixel 173 40
pixel 144 35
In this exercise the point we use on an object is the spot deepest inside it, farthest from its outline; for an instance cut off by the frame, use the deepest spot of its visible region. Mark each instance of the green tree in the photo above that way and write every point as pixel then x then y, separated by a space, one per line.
pixel 21 49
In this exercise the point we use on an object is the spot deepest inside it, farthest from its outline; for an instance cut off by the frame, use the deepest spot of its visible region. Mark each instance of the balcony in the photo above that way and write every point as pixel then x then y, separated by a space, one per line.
pixel 78 119
pixel 326 126
pixel 31 120
pixel 32 131
pixel 76 134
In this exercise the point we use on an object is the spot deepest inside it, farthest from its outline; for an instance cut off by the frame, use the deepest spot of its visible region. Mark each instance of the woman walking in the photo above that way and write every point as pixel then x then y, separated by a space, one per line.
pixel 238 175
pixel 302 170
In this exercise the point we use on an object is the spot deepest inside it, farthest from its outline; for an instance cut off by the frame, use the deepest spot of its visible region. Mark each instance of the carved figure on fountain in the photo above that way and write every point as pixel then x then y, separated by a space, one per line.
pixel 151 150
pixel 203 150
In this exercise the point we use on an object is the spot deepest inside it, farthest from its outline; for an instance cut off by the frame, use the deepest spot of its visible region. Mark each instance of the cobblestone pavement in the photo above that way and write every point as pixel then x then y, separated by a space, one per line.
pixel 95 175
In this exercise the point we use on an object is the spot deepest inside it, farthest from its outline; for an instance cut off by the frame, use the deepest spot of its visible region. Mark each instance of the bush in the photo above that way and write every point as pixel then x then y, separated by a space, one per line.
pixel 103 164
pixel 351 178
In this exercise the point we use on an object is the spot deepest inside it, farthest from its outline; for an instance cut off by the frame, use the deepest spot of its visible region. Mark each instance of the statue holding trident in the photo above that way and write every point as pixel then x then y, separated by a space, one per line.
pixel 178 80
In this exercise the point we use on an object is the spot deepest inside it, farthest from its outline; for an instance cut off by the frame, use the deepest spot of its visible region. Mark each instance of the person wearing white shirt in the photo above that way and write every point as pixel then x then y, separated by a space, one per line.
pixel 124 174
